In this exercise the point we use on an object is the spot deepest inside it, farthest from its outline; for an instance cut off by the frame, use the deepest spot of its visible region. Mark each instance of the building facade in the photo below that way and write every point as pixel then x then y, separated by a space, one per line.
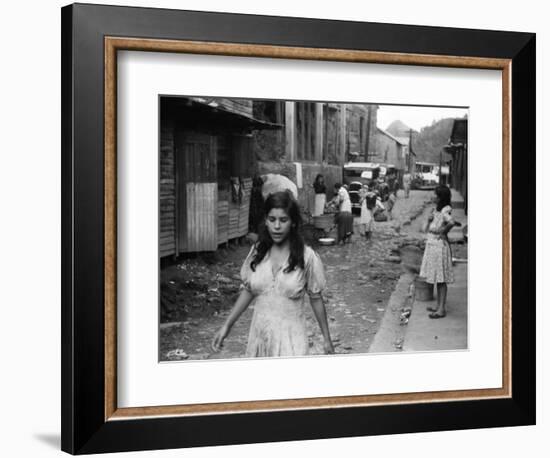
pixel 392 151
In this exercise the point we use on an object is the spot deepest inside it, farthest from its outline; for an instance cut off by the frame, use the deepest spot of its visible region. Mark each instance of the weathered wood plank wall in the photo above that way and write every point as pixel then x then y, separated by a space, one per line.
pixel 197 172
pixel 202 221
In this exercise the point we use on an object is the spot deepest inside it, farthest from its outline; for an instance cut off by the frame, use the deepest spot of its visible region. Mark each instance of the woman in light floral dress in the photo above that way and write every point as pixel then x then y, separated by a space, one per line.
pixel 277 274
pixel 437 263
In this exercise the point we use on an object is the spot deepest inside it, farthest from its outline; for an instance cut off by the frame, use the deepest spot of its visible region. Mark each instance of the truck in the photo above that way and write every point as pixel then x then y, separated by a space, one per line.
pixel 426 175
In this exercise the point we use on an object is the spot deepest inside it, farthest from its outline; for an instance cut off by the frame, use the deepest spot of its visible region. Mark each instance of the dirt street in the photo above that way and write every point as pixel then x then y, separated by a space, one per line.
pixel 198 293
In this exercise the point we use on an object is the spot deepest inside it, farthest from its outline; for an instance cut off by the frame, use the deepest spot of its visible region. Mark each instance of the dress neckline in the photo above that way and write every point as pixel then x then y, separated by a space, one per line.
pixel 281 266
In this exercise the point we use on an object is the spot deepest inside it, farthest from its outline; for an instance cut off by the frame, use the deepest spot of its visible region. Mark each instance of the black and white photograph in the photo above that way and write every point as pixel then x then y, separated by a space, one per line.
pixel 292 228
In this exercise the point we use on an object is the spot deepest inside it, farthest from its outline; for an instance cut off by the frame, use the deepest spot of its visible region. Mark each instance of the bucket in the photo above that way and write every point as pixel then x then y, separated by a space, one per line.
pixel 411 258
pixel 424 291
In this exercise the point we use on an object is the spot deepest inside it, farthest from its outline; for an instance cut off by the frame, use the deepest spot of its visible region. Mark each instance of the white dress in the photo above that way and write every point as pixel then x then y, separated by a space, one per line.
pixel 366 217
pixel 278 325
pixel 320 201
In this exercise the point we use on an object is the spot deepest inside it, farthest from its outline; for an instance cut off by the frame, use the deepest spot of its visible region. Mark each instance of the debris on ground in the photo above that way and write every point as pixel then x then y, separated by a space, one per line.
pixel 404 316
pixel 178 353
pixel 398 344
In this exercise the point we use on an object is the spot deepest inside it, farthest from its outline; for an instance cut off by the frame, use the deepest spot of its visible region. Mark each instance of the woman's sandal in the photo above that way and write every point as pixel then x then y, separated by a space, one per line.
pixel 431 309
pixel 437 315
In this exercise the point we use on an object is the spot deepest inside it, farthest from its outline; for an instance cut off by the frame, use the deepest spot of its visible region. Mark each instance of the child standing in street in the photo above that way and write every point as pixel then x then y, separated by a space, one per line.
pixel 363 218
pixel 437 262
pixel 368 202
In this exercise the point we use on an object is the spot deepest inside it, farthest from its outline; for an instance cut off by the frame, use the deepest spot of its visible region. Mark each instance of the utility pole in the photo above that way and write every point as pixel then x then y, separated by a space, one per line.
pixel 367 133
pixel 440 159
pixel 410 149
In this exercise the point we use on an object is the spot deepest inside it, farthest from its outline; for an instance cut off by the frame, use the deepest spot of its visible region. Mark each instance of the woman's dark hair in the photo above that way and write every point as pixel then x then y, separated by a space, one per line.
pixel 284 201
pixel 444 195
pixel 337 185
pixel 318 186
pixel 257 181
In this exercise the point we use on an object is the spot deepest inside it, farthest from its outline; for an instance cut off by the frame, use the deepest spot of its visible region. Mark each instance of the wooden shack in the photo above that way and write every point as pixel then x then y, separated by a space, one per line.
pixel 206 169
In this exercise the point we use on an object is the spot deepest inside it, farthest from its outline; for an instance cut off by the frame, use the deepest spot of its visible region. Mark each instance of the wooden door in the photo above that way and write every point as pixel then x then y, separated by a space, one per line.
pixel 196 176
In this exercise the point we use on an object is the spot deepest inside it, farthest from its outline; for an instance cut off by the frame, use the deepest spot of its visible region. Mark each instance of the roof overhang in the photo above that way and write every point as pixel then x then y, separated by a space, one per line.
pixel 203 111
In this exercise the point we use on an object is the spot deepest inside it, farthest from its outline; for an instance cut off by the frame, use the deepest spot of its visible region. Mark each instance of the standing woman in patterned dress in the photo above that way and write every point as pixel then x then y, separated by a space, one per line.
pixel 437 263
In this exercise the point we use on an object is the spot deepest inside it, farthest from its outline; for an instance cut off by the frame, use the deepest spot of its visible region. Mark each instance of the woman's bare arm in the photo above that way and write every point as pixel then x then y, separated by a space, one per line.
pixel 446 228
pixel 321 314
pixel 242 303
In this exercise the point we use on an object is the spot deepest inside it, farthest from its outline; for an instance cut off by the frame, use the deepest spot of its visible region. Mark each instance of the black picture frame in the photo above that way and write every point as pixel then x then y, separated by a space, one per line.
pixel 84 426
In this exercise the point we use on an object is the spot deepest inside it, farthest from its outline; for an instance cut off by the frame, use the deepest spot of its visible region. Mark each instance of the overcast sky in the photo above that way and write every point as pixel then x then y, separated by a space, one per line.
pixel 414 116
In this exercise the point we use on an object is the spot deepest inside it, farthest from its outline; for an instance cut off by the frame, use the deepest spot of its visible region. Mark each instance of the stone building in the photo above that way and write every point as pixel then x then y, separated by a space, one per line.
pixel 392 151
pixel 317 138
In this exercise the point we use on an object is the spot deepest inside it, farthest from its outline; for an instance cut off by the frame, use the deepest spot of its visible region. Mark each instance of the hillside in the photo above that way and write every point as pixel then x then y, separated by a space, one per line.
pixel 399 129
pixel 429 142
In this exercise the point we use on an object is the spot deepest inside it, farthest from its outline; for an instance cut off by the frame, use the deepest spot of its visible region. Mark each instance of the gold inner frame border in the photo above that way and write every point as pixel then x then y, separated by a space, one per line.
pixel 114 44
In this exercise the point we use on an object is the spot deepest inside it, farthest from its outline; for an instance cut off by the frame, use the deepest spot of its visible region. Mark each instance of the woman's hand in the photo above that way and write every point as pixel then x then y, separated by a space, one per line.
pixel 442 236
pixel 243 301
pixel 219 337
pixel 328 347
pixel 444 231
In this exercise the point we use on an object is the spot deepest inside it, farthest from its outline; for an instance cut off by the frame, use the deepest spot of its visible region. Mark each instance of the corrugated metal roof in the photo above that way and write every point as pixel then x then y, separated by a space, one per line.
pixel 211 108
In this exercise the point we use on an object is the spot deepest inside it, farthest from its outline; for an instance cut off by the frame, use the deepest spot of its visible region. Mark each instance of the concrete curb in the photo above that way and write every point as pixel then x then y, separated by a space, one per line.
pixel 390 334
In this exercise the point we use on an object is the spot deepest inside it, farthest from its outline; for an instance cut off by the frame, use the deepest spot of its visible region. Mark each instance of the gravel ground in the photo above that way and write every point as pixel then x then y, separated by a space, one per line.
pixel 197 293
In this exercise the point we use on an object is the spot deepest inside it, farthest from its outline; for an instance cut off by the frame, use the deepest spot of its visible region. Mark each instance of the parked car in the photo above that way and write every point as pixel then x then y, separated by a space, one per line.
pixel 363 172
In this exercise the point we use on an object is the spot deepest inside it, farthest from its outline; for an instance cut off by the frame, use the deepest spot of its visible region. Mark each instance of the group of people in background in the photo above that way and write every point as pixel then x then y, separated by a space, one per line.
pixel 369 201
pixel 341 200
pixel 436 265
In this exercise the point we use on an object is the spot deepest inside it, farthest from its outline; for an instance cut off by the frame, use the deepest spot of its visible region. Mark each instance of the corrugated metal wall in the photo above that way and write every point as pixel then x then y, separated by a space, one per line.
pixel 167 191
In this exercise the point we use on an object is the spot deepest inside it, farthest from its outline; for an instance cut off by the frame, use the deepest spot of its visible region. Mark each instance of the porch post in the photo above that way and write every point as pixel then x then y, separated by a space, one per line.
pixel 318 133
pixel 342 133
pixel 290 130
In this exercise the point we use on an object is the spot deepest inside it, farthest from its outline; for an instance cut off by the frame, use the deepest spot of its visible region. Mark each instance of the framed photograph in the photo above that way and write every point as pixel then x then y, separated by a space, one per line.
pixel 271 221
